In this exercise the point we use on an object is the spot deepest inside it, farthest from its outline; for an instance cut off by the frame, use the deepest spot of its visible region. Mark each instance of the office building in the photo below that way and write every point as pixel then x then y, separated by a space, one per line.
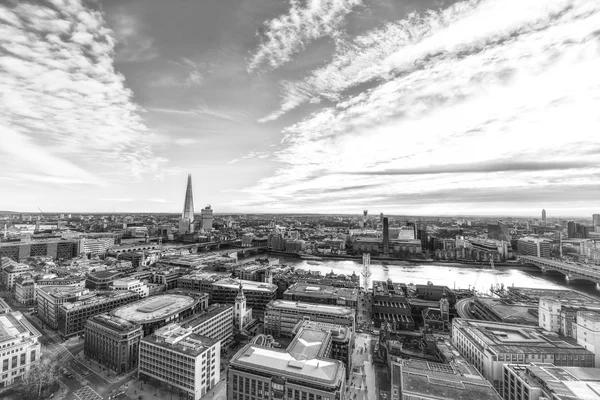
pixel 113 342
pixel 541 381
pixel 12 271
pixel 577 231
pixel 206 219
pixel 415 379
pixel 587 325
pixel 73 314
pixel 488 345
pixel 50 298
pixel 200 281
pixel 186 222
pixel 215 322
pixel 132 285
pixel 391 306
pixel 25 289
pixel 558 312
pixel 322 294
pixel 19 347
pixel 298 372
pixel 157 311
pixel 596 220
pixel 102 280
pixel 544 216
pixel 96 246
pixel 186 362
pixel 258 294
pixel 530 246
pixel 386 236
pixel 499 231
pixel 337 343
pixel 58 249
pixel 281 316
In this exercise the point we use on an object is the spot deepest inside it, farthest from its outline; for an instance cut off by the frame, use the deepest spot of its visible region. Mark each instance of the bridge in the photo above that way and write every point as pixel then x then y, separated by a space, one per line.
pixel 570 271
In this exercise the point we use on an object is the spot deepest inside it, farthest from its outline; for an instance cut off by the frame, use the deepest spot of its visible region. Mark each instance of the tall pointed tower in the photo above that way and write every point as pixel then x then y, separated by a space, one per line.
pixel 186 222
pixel 239 312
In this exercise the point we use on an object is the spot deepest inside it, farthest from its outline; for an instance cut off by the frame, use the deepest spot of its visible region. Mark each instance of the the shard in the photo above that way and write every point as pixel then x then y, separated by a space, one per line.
pixel 188 206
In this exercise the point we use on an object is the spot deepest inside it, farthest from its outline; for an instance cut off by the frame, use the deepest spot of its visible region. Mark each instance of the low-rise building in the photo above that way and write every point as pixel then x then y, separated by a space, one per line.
pixel 530 246
pixel 281 316
pixel 419 379
pixel 500 310
pixel 25 289
pixel 540 381
pixel 186 362
pixel 215 322
pixel 321 294
pixel 489 345
pixel 12 272
pixel 258 294
pixel 558 313
pixel 132 285
pixel 391 306
pixel 588 331
pixel 113 342
pixel 50 298
pixel 299 372
pixel 19 347
pixel 72 315
pixel 102 280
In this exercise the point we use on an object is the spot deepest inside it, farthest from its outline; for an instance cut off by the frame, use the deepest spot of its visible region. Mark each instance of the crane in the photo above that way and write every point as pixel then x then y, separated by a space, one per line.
pixel 41 212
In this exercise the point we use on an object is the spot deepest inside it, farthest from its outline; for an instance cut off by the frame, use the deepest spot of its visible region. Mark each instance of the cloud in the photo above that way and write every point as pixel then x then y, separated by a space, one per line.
pixel 202 111
pixel 158 200
pixel 65 111
pixel 188 74
pixel 288 34
pixel 476 98
pixel 133 44
pixel 185 141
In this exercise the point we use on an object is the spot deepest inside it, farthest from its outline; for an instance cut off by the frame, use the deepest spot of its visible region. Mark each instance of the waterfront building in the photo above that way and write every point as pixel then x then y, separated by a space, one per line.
pixel 255 271
pixel 118 251
pixel 258 294
pixel 113 342
pixel 488 345
pixel 391 306
pixel 501 310
pixel 499 231
pixel 186 222
pixel 206 219
pixel 25 289
pixel 73 314
pixel 587 328
pixel 322 294
pixel 19 347
pixel 281 316
pixel 58 249
pixel 337 344
pixel 157 311
pixel 102 280
pixel 294 245
pixel 415 379
pixel 186 362
pixel 298 372
pixel 530 246
pixel 558 313
pixel 11 272
pixel 540 381
pixel 96 246
pixel 132 285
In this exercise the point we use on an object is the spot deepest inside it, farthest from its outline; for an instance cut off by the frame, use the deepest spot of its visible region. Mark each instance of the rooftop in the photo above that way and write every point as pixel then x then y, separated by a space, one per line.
pixel 299 366
pixel 154 308
pixel 210 312
pixel 105 274
pixel 388 288
pixel 246 285
pixel 181 341
pixel 113 322
pixel 434 380
pixel 322 308
pixel 321 291
pixel 13 324
pixel 515 313
pixel 59 292
pixel 96 297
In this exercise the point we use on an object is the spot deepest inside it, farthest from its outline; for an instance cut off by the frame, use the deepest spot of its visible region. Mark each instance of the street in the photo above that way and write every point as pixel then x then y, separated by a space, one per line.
pixel 361 382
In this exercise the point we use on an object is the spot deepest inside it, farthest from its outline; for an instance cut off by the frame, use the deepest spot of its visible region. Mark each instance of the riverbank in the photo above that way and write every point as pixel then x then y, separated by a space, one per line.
pixel 411 261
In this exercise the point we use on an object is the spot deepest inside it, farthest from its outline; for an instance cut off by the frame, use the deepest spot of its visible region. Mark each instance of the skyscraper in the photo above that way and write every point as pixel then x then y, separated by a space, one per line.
pixel 386 236
pixel 544 216
pixel 186 222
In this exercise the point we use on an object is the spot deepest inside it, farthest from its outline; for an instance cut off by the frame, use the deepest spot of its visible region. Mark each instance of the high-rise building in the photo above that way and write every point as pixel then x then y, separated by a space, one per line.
pixel 386 236
pixel 186 222
pixel 544 216
pixel 206 219
pixel 596 219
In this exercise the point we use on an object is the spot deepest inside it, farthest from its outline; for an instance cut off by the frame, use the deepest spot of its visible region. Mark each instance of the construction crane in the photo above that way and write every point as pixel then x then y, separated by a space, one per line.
pixel 41 212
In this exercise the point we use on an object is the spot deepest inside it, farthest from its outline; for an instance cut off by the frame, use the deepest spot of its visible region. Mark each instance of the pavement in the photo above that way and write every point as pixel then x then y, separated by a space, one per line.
pixel 361 383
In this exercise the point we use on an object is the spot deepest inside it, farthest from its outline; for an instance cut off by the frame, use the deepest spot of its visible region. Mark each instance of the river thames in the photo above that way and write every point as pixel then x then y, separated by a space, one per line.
pixel 455 276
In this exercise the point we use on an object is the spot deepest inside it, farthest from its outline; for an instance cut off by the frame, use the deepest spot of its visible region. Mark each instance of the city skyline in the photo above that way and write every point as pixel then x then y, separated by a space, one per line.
pixel 329 107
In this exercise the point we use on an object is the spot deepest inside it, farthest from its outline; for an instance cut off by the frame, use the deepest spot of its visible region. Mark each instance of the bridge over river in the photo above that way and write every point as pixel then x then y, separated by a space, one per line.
pixel 571 271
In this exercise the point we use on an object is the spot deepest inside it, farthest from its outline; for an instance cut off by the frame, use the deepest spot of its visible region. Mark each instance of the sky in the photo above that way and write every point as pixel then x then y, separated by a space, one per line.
pixel 412 107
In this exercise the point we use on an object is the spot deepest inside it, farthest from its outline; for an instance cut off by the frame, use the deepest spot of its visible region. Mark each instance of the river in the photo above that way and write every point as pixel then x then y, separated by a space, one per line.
pixel 456 276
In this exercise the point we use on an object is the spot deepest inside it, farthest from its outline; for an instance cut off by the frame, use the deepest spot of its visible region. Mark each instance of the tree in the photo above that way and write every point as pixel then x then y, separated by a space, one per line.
pixel 42 375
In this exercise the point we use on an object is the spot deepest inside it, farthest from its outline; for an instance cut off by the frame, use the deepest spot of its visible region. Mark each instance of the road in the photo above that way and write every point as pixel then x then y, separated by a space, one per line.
pixel 463 308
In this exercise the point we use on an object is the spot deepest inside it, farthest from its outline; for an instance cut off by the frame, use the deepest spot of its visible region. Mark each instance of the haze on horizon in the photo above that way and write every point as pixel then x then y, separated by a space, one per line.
pixel 412 107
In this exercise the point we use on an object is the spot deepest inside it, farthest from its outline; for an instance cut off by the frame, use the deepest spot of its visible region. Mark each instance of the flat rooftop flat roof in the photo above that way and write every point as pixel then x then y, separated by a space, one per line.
pixel 154 308
pixel 325 291
pixel 190 345
pixel 281 362
pixel 246 285
pixel 297 305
